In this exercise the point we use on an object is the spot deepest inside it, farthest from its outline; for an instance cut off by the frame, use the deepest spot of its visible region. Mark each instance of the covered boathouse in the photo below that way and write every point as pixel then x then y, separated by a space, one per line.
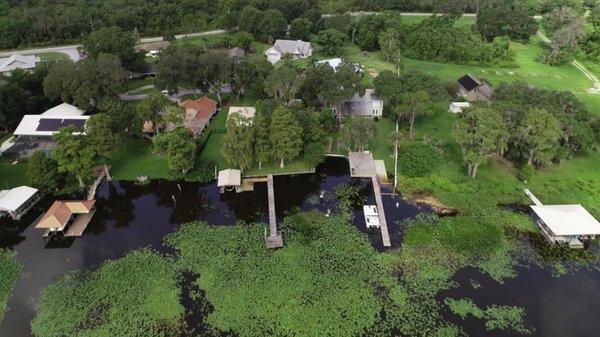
pixel 570 224
pixel 17 201
pixel 69 217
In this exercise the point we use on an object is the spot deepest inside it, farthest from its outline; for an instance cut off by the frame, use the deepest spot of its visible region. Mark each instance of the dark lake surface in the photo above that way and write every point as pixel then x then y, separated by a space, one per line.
pixel 132 216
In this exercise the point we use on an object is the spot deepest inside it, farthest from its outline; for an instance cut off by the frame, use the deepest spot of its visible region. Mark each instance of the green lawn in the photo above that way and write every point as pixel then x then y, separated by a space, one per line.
pixel 138 83
pixel 529 71
pixel 134 158
pixel 576 181
pixel 53 56
pixel 13 175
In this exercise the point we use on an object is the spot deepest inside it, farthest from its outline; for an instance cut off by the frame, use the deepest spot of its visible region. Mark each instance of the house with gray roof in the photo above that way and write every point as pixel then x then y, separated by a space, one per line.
pixel 18 61
pixel 298 49
pixel 367 105
pixel 474 90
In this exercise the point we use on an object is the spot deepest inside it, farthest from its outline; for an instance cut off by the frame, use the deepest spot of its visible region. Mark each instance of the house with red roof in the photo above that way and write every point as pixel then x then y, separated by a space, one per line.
pixel 198 114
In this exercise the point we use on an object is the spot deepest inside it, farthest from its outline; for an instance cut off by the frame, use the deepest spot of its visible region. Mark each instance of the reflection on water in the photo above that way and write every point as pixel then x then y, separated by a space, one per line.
pixel 554 306
pixel 132 216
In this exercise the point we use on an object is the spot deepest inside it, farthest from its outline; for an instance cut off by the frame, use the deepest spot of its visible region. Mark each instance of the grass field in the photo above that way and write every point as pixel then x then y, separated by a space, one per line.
pixel 134 158
pixel 53 56
pixel 13 175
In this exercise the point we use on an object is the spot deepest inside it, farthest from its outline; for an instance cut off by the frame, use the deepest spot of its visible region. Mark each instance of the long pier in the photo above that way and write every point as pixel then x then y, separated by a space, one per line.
pixel 385 235
pixel 274 239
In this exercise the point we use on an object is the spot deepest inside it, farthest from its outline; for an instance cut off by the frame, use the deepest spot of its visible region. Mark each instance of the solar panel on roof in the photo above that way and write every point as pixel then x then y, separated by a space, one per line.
pixel 54 124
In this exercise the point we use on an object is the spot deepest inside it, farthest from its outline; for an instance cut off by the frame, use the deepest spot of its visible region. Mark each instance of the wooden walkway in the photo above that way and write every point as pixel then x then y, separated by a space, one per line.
pixel 385 235
pixel 79 225
pixel 274 239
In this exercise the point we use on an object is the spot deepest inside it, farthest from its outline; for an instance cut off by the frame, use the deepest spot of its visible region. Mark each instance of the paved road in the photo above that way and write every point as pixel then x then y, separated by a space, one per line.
pixel 471 15
pixel 73 53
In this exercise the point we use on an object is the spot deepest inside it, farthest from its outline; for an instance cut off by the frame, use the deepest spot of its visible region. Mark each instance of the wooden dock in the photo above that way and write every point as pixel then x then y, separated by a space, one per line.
pixel 79 225
pixel 274 239
pixel 385 235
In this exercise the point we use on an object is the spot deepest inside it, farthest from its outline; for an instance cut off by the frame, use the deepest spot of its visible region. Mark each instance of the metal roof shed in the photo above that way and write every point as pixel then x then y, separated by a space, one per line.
pixel 16 201
pixel 230 179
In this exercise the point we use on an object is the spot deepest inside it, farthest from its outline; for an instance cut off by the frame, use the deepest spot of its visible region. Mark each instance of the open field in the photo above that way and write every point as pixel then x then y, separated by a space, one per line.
pixel 13 175
pixel 134 158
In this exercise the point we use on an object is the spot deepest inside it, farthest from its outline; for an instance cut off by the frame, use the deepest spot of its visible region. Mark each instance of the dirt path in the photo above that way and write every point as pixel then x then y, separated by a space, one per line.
pixel 595 89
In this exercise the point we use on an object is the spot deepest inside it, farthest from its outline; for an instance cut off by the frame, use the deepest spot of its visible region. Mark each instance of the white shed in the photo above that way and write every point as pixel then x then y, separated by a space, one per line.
pixel 230 179
pixel 456 107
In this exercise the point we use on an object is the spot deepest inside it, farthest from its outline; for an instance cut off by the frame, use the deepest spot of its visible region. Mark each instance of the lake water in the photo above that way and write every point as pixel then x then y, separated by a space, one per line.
pixel 132 216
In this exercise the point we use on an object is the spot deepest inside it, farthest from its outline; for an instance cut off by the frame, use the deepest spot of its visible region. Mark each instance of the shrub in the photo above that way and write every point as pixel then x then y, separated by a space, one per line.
pixel 526 173
pixel 417 160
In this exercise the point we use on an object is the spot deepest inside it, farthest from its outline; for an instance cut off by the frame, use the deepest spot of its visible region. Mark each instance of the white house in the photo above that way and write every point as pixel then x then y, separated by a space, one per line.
pixel 49 122
pixel 570 224
pixel 456 107
pixel 18 61
pixel 367 105
pixel 298 49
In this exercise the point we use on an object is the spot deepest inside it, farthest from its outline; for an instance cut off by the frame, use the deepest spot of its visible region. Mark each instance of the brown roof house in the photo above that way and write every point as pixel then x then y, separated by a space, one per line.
pixel 198 114
pixel 70 217
pixel 474 90
pixel 237 53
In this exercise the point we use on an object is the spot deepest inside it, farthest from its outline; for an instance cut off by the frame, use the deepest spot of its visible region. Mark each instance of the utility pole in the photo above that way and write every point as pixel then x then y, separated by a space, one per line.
pixel 395 162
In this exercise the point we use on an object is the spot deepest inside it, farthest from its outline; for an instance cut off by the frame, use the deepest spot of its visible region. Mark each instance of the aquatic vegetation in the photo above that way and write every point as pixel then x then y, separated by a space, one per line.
pixel 349 195
pixel 10 269
pixel 136 295
pixel 497 317
pixel 329 285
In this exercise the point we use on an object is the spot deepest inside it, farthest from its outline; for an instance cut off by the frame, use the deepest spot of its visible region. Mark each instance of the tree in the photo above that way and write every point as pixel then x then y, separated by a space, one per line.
pixel 389 42
pixel 179 147
pixel 243 40
pixel 300 29
pixel 272 25
pixel 480 132
pixel 214 69
pixel 152 108
pixel 180 66
pixel 539 133
pixel 413 104
pixel 285 135
pixel 42 171
pixel 314 139
pixel 506 18
pixel 72 155
pixel 262 143
pixel 332 42
pixel 249 76
pixel 355 133
pixel 86 82
pixel 283 83
pixel 249 19
pixel 101 139
pixel 325 87
pixel 112 40
pixel 238 141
